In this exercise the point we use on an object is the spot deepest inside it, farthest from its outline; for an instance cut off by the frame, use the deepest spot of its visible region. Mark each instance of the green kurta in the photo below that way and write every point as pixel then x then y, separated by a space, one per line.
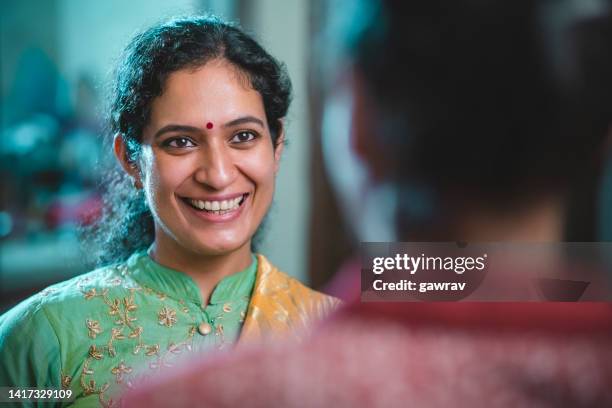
pixel 95 334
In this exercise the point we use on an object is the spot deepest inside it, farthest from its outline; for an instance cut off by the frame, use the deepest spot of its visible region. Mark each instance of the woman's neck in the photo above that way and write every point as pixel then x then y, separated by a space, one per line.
pixel 206 270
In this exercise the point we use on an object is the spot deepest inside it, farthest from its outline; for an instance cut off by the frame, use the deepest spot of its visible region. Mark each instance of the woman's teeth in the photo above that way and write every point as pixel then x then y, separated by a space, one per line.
pixel 217 207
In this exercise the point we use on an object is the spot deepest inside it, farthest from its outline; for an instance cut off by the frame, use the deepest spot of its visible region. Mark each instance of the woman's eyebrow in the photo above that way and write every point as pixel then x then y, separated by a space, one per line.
pixel 185 128
pixel 244 119
pixel 175 128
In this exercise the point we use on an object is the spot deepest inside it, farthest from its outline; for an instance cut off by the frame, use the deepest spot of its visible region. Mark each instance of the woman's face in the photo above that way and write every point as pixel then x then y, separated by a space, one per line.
pixel 208 162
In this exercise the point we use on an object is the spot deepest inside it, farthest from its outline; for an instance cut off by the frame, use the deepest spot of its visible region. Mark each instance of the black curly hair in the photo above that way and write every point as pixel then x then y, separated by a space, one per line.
pixel 126 224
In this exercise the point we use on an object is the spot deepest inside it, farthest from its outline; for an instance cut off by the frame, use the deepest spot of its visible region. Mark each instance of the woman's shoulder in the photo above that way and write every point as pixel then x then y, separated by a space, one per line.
pixel 69 298
pixel 271 280
pixel 45 325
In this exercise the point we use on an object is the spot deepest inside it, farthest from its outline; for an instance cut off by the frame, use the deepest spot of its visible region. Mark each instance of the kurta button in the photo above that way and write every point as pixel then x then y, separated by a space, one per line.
pixel 204 328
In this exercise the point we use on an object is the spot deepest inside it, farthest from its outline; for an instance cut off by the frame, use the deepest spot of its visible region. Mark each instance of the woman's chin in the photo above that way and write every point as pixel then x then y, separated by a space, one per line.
pixel 211 248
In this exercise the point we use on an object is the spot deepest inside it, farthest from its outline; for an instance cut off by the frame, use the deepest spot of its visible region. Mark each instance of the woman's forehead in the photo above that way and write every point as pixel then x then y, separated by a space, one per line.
pixel 216 92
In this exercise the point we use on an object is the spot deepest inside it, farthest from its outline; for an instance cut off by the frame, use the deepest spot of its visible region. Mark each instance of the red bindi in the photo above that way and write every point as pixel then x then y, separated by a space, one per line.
pixel 209 125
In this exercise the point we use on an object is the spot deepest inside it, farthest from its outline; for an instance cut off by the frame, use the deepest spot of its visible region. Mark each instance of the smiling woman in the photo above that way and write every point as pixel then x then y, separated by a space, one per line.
pixel 208 189
pixel 197 127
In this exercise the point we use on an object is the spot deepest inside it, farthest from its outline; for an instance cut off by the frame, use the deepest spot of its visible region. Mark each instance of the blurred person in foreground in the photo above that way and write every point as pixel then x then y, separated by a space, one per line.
pixel 494 111
pixel 197 118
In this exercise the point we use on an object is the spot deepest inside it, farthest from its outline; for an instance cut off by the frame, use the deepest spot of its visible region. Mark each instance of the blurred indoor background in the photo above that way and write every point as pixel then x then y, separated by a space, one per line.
pixel 56 57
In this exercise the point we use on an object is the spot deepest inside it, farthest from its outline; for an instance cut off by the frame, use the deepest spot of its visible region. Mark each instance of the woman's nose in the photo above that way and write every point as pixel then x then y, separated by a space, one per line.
pixel 216 168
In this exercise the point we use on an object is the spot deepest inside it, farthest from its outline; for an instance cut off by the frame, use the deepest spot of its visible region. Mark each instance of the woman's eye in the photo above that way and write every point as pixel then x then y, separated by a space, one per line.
pixel 242 137
pixel 179 142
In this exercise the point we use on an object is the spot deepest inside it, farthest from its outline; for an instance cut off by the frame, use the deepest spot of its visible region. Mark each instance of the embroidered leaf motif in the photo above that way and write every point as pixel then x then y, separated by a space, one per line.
pixel 91 293
pixel 136 332
pixel 129 304
pixel 95 352
pixel 93 328
pixel 119 371
pixel 166 317
pixel 173 348
pixel 114 307
pixel 66 380
pixel 117 334
pixel 152 350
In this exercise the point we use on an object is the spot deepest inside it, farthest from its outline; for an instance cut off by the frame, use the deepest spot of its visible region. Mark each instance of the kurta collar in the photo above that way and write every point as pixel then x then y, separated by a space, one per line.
pixel 239 284
pixel 181 286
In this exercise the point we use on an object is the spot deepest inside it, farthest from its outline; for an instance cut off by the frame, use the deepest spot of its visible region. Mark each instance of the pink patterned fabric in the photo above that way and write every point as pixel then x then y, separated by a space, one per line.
pixel 414 354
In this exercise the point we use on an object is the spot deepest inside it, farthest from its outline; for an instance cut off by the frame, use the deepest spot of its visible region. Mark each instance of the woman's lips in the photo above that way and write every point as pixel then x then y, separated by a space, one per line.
pixel 217 210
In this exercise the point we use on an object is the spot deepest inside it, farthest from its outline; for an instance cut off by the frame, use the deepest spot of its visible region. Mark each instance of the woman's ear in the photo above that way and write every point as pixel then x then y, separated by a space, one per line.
pixel 121 153
pixel 280 145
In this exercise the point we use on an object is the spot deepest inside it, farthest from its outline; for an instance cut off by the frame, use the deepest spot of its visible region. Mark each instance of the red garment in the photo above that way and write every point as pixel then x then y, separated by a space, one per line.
pixel 414 354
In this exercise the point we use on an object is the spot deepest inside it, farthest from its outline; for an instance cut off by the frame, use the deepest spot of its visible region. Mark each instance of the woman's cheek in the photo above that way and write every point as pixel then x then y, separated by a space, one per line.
pixel 259 166
pixel 162 178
